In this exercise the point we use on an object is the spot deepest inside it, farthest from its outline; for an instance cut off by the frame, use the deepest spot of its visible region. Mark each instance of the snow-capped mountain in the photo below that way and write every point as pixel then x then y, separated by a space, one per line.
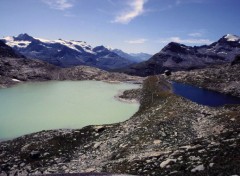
pixel 232 38
pixel 177 56
pixel 66 53
pixel 135 57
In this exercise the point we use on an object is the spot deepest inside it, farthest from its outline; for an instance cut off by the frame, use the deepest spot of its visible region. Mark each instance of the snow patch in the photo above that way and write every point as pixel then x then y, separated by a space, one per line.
pixel 43 40
pixel 166 162
pixel 16 80
pixel 198 168
pixel 12 43
pixel 222 53
pixel 232 38
pixel 70 44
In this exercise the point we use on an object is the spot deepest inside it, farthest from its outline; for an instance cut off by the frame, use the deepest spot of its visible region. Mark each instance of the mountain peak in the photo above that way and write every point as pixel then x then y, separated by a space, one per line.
pixel 24 37
pixel 232 38
pixel 100 48
pixel 229 38
pixel 175 47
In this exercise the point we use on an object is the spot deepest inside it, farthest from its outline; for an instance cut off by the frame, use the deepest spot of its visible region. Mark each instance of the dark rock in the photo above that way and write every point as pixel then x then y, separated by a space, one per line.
pixel 35 155
pixel 167 72
pixel 24 37
pixel 236 60
pixel 7 51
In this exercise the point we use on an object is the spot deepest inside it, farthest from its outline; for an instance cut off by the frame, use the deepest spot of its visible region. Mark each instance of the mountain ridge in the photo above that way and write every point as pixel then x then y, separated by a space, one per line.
pixel 176 57
pixel 67 53
pixel 16 69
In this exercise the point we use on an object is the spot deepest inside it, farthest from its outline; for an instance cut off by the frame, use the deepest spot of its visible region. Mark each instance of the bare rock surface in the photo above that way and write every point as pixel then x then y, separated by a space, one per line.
pixel 20 70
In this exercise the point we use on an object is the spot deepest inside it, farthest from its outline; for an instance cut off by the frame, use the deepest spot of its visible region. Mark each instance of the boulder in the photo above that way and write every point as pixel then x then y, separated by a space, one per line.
pixel 35 154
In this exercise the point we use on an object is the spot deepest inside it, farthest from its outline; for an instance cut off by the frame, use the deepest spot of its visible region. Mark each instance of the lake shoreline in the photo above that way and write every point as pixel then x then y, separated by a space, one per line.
pixel 170 129
pixel 221 78
pixel 28 70
pixel 203 96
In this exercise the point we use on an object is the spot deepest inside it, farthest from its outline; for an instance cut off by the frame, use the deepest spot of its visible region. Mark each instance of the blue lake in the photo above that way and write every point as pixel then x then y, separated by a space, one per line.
pixel 203 96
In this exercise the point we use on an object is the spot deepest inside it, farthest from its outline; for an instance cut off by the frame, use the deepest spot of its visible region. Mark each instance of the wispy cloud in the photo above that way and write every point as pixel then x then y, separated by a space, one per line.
pixel 178 2
pixel 137 41
pixel 59 4
pixel 185 41
pixel 195 34
pixel 135 8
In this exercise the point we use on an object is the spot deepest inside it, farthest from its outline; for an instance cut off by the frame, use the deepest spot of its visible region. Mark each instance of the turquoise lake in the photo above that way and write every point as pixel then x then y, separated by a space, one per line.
pixel 33 107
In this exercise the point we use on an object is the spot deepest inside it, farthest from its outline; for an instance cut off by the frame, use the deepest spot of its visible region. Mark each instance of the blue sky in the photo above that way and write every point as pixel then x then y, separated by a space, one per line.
pixel 130 25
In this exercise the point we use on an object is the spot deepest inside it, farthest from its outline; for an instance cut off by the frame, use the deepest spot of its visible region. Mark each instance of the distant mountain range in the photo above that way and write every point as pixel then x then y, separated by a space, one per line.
pixel 177 56
pixel 173 57
pixel 14 69
pixel 134 57
pixel 66 53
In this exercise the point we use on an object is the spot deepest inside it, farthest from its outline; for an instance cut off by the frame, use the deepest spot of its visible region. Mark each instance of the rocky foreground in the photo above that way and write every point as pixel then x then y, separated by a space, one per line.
pixel 169 135
pixel 222 78
pixel 20 70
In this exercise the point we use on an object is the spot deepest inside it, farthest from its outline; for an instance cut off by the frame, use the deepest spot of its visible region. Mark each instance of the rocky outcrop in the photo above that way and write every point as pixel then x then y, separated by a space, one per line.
pixel 16 70
pixel 167 136
pixel 222 78
pixel 6 51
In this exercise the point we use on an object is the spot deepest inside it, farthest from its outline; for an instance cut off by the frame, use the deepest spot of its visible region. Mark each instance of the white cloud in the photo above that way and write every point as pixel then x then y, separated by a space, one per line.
pixel 136 8
pixel 196 34
pixel 137 41
pixel 59 4
pixel 186 41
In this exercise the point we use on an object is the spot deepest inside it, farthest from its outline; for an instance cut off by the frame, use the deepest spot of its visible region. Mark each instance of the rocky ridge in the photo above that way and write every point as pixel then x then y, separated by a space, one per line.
pixel 221 78
pixel 20 70
pixel 169 135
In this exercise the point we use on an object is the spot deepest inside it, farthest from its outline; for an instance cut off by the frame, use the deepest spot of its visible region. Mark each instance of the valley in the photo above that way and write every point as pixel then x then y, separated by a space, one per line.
pixel 168 135
pixel 119 88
